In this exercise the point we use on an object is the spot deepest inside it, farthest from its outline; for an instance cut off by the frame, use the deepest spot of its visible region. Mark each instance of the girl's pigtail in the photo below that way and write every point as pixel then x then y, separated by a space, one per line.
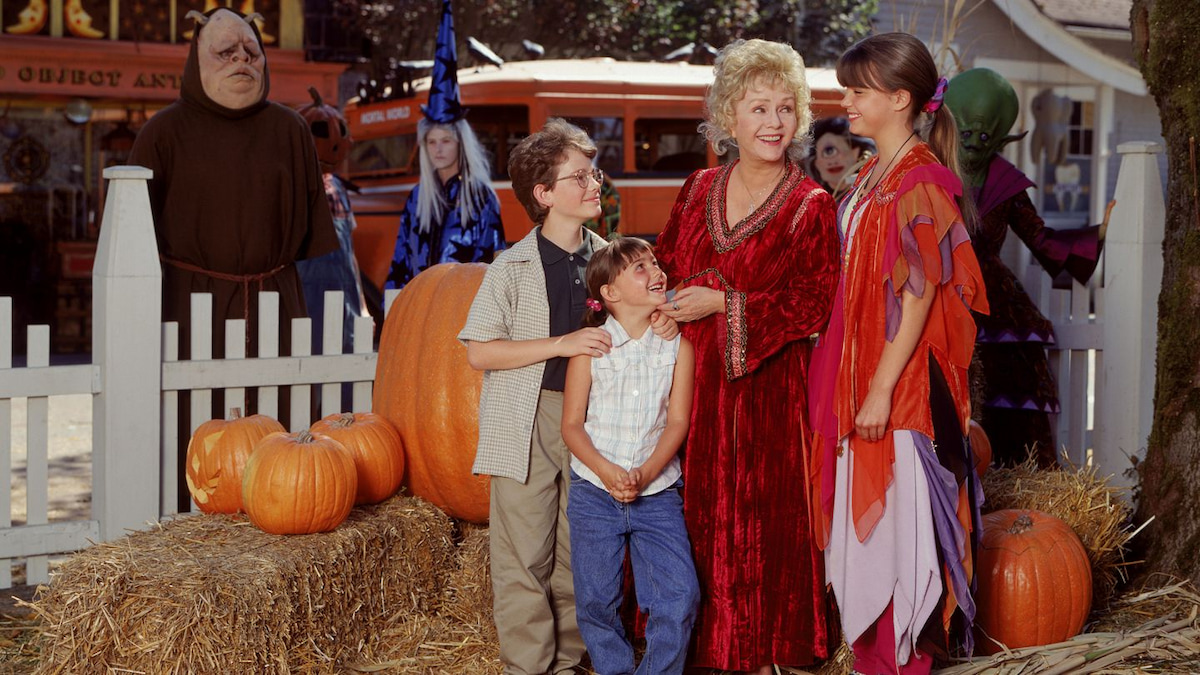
pixel 595 315
pixel 940 131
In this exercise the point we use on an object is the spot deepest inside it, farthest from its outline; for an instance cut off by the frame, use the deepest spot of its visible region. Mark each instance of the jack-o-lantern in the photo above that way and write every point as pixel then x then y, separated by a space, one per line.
pixel 329 131
pixel 216 459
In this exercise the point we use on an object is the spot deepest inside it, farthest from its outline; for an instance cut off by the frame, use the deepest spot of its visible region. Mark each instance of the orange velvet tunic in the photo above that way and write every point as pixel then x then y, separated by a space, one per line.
pixel 911 232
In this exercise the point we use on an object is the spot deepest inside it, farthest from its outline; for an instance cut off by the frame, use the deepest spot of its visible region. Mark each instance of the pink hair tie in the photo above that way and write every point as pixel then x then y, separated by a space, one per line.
pixel 935 102
pixel 593 304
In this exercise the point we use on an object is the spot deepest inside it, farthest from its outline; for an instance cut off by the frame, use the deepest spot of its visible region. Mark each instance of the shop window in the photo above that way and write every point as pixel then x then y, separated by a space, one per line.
pixel 668 146
pixel 1066 186
pixel 499 129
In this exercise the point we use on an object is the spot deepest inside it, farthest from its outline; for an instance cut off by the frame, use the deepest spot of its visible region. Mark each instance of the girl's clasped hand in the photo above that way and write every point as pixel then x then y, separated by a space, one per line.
pixel 624 486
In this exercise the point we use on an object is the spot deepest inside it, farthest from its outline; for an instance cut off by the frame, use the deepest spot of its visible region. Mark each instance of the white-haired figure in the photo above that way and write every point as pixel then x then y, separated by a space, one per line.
pixel 453 214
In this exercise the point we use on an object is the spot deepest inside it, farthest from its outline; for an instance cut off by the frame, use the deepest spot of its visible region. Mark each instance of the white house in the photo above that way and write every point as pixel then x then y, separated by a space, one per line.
pixel 1078 49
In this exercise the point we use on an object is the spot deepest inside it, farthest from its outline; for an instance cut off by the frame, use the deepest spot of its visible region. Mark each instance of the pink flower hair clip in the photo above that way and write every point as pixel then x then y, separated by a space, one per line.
pixel 594 304
pixel 935 102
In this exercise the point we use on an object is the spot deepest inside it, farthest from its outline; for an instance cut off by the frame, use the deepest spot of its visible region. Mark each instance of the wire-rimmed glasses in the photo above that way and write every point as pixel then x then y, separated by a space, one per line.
pixel 581 177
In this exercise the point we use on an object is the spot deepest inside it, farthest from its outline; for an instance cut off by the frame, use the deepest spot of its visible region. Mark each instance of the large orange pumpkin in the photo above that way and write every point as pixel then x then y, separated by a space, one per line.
pixel 981 447
pixel 424 386
pixel 299 483
pixel 375 446
pixel 215 458
pixel 1035 582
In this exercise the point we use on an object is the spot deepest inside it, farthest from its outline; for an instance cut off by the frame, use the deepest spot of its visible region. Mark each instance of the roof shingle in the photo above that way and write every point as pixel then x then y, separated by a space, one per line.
pixel 1098 13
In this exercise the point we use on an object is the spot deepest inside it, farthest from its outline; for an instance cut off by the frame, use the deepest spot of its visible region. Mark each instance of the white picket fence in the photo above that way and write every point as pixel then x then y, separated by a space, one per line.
pixel 1106 331
pixel 135 376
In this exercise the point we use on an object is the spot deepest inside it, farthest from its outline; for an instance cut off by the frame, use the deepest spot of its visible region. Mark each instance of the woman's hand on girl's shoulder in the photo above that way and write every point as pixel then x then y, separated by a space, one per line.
pixel 693 303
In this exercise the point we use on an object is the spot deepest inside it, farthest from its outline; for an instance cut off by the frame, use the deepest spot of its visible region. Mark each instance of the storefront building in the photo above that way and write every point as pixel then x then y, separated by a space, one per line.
pixel 78 78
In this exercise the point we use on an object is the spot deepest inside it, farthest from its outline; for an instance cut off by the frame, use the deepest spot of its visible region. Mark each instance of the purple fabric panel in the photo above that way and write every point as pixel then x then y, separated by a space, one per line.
pixel 934 174
pixel 955 237
pixel 1006 335
pixel 952 539
pixel 1076 251
pixel 1003 181
pixel 893 311
pixel 1027 403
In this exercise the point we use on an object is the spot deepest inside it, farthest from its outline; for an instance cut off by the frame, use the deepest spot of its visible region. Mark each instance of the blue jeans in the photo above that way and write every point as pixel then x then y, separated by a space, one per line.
pixel 653 529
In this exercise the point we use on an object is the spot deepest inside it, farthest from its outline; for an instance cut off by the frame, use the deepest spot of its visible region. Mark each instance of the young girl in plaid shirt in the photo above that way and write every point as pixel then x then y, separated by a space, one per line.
pixel 625 414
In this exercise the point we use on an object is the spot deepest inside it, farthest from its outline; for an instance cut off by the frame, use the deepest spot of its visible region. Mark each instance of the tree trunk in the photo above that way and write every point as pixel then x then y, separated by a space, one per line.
pixel 1167 49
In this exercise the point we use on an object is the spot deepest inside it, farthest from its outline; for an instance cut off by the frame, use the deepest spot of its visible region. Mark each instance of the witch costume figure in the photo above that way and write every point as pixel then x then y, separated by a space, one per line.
pixel 1018 388
pixel 453 214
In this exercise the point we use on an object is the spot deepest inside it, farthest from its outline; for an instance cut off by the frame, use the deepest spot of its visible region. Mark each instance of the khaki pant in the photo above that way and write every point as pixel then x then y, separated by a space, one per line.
pixel 534 601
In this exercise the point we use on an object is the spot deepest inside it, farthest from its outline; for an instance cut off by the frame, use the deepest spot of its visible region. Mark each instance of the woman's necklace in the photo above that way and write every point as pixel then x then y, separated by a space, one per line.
pixel 753 197
pixel 861 193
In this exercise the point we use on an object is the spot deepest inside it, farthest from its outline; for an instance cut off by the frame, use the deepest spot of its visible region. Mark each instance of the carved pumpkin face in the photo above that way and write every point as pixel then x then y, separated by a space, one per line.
pixel 329 131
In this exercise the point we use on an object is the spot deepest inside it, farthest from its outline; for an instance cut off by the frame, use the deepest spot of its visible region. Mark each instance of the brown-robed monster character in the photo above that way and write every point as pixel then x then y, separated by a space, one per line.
pixel 1018 388
pixel 237 195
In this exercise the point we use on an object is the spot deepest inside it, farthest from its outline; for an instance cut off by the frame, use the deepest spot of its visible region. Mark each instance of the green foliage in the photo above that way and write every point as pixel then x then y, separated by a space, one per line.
pixel 623 29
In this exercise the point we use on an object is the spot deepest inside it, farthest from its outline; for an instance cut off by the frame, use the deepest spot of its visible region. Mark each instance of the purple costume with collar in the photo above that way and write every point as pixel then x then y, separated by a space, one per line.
pixel 1018 388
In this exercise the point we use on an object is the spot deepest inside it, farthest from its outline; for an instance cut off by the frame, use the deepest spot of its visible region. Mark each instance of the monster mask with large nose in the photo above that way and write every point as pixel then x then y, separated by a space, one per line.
pixel 231 59
pixel 984 107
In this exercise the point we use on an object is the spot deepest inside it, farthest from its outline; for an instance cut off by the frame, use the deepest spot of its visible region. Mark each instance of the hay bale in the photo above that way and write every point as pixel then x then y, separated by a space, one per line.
pixel 1096 510
pixel 213 594
pixel 469 587
pixel 459 638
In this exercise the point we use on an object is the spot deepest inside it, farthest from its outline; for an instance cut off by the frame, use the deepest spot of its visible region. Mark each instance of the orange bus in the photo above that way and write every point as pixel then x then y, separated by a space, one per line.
pixel 643 118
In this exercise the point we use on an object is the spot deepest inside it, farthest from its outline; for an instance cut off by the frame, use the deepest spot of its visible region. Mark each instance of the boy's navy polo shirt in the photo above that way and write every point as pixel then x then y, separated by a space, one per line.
pixel 566 290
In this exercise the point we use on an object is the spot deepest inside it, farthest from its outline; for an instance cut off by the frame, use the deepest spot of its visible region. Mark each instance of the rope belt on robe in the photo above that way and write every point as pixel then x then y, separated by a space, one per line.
pixel 244 279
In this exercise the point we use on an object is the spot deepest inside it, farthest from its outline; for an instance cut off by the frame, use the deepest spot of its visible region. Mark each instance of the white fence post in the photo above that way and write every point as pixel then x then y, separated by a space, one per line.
pixel 127 350
pixel 1133 271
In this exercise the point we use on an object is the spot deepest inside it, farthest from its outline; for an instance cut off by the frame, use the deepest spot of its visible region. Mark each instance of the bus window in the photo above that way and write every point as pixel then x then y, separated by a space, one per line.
pixel 670 146
pixel 608 133
pixel 388 155
pixel 499 128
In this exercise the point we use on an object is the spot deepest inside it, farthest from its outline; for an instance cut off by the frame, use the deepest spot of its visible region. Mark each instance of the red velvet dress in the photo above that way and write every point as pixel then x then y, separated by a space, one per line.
pixel 745 494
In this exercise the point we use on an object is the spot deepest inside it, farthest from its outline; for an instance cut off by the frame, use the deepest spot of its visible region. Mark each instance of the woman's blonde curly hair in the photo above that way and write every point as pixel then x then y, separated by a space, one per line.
pixel 741 64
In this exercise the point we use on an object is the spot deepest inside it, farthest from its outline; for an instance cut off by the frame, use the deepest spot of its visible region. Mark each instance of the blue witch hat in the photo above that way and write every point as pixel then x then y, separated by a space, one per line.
pixel 444 106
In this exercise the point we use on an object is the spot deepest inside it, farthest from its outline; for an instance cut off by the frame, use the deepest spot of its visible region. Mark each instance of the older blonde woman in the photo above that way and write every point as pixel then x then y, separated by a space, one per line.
pixel 754 244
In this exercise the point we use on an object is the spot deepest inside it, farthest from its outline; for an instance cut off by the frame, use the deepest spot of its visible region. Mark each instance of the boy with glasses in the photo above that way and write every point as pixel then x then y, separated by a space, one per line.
pixel 522 329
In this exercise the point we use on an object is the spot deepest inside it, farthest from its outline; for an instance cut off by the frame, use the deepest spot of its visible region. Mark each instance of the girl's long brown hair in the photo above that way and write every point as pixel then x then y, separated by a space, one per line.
pixel 893 61
pixel 603 269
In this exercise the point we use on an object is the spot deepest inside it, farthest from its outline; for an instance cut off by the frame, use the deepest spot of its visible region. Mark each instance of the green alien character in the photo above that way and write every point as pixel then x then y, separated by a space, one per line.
pixel 1011 376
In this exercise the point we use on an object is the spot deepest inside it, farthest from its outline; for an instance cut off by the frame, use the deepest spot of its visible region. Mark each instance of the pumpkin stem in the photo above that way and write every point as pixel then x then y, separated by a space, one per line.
pixel 316 97
pixel 235 413
pixel 1023 523
pixel 304 436
pixel 345 420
